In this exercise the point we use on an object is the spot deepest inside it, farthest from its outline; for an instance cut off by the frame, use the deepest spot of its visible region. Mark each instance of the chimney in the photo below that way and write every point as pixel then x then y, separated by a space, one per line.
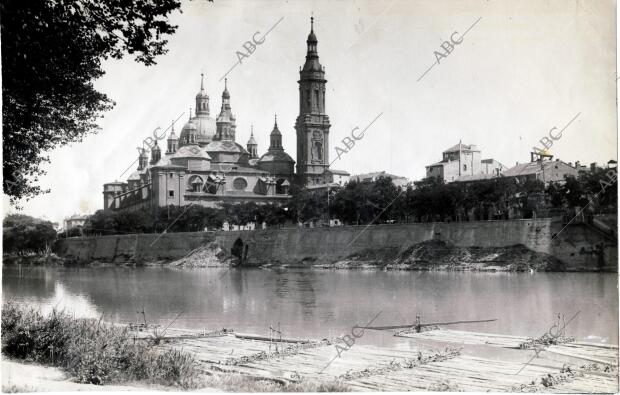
pixel 577 165
pixel 570 164
pixel 592 166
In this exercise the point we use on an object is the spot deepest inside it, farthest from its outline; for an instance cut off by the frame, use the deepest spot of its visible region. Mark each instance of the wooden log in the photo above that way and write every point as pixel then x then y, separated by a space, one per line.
pixel 250 336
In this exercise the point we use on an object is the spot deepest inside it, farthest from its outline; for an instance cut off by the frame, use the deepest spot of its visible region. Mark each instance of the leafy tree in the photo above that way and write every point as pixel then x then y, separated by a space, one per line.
pixel 23 234
pixel 52 52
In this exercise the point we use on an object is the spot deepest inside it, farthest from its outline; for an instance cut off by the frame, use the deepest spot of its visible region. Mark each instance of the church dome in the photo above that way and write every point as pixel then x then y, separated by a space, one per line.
pixel 135 176
pixel 204 127
pixel 276 156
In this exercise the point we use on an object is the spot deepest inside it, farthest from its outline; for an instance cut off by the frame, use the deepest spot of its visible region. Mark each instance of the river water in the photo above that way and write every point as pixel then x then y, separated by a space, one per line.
pixel 322 303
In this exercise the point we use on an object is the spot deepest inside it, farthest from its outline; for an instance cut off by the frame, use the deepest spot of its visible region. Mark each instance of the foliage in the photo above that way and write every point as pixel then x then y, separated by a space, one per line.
pixel 373 202
pixel 596 188
pixel 23 234
pixel 366 202
pixel 245 383
pixel 52 52
pixel 91 351
pixel 192 218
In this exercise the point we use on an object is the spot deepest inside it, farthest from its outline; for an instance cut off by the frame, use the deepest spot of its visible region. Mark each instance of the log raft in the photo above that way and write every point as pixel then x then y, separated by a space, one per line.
pixel 413 364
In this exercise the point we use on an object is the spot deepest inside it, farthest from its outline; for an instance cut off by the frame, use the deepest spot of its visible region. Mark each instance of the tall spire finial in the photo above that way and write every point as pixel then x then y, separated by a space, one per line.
pixel 201 81
pixel 312 22
pixel 225 83
pixel 275 117
pixel 190 113
pixel 173 125
pixel 252 130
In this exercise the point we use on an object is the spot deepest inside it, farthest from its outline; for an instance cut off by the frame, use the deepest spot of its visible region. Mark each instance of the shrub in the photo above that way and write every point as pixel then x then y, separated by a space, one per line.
pixel 91 351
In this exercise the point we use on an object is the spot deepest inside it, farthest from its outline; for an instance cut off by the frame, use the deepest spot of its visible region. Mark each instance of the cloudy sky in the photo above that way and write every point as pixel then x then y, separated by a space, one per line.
pixel 523 68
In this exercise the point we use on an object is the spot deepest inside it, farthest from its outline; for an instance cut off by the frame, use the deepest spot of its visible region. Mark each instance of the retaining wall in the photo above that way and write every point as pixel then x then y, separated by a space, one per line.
pixel 579 246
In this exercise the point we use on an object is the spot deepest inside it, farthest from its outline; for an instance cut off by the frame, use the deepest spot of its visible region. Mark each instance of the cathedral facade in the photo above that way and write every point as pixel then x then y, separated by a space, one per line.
pixel 205 165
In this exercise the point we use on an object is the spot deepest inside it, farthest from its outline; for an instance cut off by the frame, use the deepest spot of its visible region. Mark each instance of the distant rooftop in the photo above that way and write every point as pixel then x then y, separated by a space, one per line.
pixel 462 147
pixel 375 175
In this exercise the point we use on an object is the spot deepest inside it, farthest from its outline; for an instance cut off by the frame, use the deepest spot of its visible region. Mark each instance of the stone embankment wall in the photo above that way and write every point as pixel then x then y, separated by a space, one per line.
pixel 578 246
pixel 135 248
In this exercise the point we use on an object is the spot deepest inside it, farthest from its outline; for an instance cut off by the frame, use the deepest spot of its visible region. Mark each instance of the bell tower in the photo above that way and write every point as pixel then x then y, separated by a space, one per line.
pixel 312 124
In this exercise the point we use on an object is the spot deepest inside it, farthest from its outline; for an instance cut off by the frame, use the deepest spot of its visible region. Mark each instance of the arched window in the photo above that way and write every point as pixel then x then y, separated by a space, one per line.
pixel 195 184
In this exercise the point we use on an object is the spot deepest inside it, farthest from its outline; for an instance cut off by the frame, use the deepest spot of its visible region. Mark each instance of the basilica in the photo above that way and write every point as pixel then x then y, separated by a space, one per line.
pixel 205 165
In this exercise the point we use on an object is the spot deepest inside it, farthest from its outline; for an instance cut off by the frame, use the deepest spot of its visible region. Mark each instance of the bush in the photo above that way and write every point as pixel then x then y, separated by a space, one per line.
pixel 91 351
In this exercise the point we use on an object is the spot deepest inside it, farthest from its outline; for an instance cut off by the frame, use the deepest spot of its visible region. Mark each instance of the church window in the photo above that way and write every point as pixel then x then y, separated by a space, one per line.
pixel 464 167
pixel 171 175
pixel 171 193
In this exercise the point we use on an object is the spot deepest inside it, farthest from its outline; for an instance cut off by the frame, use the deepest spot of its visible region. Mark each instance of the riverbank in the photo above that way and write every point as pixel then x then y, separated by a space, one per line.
pixel 20 377
pixel 538 244
pixel 439 255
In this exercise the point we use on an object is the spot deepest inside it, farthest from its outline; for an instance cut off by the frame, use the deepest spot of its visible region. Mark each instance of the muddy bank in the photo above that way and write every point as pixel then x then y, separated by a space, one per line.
pixel 439 255
pixel 210 255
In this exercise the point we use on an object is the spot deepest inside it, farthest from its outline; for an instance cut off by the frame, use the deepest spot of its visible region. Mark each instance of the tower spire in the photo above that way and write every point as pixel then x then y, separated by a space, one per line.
pixel 312 132
pixel 202 99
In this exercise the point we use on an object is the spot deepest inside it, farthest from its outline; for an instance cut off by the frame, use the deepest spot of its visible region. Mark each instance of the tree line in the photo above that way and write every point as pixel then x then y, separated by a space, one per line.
pixel 378 202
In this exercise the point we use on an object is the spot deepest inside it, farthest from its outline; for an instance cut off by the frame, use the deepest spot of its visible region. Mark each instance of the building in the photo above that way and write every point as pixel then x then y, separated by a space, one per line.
pixel 462 163
pixel 372 177
pixel 74 221
pixel 205 165
pixel 312 125
pixel 547 171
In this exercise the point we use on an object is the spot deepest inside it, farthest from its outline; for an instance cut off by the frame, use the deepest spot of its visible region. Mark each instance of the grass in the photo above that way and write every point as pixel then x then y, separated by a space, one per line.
pixel 91 351
pixel 245 383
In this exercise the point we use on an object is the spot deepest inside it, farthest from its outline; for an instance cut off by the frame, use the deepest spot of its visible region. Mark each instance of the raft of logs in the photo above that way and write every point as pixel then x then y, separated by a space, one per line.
pixel 411 365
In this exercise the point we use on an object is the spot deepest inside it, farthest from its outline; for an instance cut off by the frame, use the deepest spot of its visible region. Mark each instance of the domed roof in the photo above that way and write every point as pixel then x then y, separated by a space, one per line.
pixel 276 156
pixel 204 126
pixel 191 151
pixel 135 176
pixel 225 146
pixel 164 160
pixel 252 141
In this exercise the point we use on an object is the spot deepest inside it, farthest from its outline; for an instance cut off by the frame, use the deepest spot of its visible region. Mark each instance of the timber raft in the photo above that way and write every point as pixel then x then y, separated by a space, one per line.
pixel 429 361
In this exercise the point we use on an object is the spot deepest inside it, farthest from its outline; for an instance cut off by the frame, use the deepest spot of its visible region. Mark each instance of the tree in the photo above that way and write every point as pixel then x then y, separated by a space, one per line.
pixel 23 234
pixel 51 54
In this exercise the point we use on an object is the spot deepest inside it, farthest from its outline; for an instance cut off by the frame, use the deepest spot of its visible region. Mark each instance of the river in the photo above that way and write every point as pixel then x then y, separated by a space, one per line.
pixel 322 303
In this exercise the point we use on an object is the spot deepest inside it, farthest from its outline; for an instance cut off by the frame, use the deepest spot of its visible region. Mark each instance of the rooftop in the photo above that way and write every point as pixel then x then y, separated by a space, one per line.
pixel 462 147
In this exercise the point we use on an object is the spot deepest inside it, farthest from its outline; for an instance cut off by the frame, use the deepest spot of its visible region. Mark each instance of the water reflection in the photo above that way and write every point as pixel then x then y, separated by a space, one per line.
pixel 319 303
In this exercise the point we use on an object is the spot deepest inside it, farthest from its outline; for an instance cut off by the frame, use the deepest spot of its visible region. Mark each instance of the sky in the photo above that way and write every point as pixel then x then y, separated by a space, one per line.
pixel 523 68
